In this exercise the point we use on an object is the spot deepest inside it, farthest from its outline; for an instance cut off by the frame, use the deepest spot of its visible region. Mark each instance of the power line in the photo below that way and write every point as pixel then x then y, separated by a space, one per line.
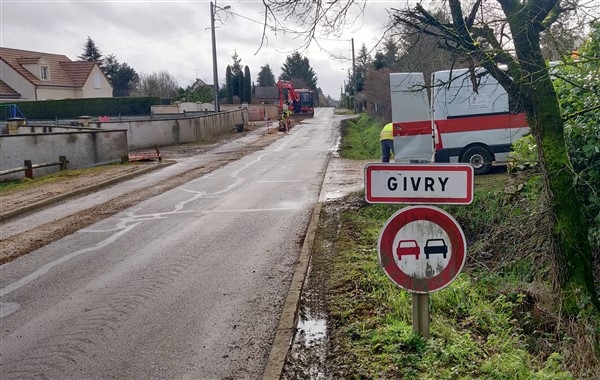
pixel 159 40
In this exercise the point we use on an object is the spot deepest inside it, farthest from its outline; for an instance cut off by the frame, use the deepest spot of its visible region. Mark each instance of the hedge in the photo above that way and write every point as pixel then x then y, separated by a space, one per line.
pixel 73 108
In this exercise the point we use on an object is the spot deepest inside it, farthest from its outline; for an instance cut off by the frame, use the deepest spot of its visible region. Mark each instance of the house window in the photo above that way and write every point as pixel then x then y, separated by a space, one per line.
pixel 44 73
pixel 97 81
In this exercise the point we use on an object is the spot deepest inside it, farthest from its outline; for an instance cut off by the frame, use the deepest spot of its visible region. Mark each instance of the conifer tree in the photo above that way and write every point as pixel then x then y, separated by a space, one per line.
pixel 91 53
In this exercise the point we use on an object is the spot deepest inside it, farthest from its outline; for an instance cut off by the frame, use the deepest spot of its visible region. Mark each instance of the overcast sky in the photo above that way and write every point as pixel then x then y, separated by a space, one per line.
pixel 174 35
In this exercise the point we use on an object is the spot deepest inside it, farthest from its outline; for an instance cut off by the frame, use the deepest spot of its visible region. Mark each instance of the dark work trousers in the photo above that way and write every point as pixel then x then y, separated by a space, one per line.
pixel 387 146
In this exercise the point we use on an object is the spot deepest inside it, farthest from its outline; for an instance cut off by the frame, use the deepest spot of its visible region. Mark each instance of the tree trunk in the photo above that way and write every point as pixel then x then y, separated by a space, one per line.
pixel 570 242
pixel 569 233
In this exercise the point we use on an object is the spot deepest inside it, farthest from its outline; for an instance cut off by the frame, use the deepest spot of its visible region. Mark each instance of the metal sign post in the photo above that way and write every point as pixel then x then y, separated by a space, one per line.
pixel 420 314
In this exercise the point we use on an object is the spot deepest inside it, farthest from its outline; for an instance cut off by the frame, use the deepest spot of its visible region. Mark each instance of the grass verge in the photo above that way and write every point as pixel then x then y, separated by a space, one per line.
pixel 500 319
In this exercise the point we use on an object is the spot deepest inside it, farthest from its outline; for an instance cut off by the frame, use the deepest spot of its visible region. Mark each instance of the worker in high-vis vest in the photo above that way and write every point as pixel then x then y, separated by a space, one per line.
pixel 386 137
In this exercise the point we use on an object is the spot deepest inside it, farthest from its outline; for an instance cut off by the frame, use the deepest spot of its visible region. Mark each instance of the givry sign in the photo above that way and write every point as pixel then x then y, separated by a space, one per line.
pixel 419 183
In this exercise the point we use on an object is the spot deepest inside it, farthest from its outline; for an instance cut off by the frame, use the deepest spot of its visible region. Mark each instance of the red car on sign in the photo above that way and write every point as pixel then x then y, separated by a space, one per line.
pixel 408 248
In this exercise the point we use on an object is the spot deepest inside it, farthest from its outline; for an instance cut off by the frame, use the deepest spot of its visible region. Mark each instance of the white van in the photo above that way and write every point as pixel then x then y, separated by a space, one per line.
pixel 458 124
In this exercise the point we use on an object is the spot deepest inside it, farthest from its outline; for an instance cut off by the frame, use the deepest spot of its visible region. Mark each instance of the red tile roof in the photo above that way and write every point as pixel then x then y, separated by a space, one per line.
pixel 78 71
pixel 63 71
pixel 7 92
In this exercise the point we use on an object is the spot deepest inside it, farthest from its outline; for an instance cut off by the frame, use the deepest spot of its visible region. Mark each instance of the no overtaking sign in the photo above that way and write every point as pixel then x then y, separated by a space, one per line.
pixel 422 249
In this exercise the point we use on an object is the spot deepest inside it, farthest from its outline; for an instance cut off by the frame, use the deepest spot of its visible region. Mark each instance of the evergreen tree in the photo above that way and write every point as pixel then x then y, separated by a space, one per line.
pixel 237 63
pixel 388 56
pixel 236 70
pixel 122 77
pixel 391 52
pixel 229 84
pixel 237 77
pixel 296 67
pixel 247 85
pixel 265 76
pixel 91 53
pixel 239 86
pixel 363 61
pixel 379 61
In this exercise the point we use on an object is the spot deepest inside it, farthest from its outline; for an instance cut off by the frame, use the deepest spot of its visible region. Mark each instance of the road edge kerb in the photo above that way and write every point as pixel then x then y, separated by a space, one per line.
pixel 287 322
pixel 284 334
pixel 5 216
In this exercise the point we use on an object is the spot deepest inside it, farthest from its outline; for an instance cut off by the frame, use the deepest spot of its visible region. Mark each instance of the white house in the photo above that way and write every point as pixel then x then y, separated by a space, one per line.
pixel 29 75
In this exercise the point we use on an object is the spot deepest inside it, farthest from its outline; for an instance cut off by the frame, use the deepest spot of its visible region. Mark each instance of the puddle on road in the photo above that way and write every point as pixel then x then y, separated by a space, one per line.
pixel 310 354
pixel 342 178
pixel 7 308
pixel 307 356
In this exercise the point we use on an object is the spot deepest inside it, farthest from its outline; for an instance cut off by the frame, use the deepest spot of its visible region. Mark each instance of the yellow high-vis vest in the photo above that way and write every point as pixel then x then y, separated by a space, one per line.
pixel 387 133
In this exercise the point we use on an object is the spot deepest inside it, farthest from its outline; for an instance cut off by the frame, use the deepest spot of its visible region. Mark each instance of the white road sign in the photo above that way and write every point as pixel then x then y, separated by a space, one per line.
pixel 419 183
pixel 422 249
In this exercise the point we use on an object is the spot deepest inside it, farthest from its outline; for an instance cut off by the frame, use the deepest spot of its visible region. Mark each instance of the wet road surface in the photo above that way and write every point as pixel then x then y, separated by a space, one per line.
pixel 188 284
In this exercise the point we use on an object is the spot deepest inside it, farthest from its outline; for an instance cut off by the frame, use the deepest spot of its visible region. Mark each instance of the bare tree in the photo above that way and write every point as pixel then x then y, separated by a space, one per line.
pixel 160 84
pixel 377 91
pixel 305 19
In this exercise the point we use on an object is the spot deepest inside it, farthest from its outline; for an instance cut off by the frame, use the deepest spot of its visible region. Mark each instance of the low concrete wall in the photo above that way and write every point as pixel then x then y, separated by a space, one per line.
pixel 82 149
pixel 256 112
pixel 40 128
pixel 145 133
pixel 182 108
pixel 104 142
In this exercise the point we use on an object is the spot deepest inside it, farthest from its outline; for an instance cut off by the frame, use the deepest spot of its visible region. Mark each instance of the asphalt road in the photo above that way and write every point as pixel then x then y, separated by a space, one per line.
pixel 186 285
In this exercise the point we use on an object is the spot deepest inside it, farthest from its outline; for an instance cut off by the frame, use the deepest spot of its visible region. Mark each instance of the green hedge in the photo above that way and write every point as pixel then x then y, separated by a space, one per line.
pixel 73 108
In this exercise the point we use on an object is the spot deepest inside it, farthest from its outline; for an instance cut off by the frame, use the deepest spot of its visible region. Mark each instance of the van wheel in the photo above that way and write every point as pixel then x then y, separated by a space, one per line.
pixel 479 158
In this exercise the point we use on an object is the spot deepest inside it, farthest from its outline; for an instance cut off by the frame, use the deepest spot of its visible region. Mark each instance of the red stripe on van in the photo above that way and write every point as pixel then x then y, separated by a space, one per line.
pixel 412 128
pixel 439 145
pixel 482 123
pixel 462 124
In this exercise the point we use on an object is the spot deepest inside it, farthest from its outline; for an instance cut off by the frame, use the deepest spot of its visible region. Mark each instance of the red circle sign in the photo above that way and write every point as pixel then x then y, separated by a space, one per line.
pixel 422 249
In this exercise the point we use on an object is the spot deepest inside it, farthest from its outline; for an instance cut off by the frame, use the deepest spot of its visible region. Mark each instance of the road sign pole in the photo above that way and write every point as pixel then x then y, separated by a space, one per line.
pixel 420 314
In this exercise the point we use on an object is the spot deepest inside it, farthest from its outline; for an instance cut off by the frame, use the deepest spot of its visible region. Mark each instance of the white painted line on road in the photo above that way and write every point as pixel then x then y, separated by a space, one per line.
pixel 281 181
pixel 45 268
pixel 255 210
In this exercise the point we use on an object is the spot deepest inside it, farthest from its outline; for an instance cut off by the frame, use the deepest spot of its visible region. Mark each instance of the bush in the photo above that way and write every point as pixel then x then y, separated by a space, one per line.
pixel 577 86
pixel 360 138
pixel 578 90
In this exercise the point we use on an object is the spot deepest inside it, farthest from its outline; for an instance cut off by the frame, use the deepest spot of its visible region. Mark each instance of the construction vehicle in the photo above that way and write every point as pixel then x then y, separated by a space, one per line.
pixel 296 102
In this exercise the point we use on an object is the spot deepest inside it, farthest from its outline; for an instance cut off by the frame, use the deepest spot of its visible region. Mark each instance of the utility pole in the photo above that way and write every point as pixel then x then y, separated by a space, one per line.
pixel 354 88
pixel 214 54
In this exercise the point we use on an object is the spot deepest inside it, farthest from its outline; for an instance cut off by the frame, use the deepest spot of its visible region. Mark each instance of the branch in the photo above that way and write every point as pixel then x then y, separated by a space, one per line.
pixel 552 16
pixel 510 7
pixel 471 19
pixel 457 18
pixel 579 113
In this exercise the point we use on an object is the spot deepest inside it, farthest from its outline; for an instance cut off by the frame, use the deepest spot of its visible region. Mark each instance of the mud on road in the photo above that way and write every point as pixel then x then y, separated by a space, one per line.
pixel 17 245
